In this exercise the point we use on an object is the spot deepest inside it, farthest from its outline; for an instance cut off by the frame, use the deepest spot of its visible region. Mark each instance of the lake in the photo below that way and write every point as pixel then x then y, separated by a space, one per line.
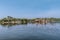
pixel 30 32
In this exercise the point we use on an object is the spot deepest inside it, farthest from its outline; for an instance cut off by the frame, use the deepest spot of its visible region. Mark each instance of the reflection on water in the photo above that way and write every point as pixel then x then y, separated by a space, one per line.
pixel 50 31
pixel 14 24
pixel 10 24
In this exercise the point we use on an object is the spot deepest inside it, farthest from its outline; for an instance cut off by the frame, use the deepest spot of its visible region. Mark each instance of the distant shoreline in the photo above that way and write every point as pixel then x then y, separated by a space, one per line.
pixel 12 20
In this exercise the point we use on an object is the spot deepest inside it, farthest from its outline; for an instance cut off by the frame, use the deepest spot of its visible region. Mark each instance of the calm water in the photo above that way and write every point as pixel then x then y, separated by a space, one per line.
pixel 30 32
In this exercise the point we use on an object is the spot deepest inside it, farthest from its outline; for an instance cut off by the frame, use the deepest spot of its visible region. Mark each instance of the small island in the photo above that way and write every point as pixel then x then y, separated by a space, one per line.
pixel 11 20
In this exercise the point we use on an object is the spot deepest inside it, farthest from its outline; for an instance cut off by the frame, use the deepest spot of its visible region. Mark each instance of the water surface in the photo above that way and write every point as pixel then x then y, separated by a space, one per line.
pixel 30 32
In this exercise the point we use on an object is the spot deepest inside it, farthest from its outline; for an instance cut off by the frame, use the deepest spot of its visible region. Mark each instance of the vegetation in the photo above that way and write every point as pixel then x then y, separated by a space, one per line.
pixel 10 19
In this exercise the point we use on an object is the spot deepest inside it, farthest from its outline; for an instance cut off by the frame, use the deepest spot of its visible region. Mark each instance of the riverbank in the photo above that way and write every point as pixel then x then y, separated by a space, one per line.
pixel 9 19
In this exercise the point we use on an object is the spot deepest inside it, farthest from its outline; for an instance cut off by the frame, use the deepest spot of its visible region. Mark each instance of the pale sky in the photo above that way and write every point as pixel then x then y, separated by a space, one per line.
pixel 30 8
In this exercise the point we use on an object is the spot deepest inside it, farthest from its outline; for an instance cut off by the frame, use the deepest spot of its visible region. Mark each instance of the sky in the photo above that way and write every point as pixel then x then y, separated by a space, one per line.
pixel 30 8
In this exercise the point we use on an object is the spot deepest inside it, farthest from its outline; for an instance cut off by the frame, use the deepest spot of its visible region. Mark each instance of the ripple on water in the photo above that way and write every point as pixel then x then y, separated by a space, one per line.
pixel 31 31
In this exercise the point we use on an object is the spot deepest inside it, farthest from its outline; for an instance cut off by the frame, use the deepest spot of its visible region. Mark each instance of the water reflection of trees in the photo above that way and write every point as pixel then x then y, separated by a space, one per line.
pixel 14 24
pixel 10 24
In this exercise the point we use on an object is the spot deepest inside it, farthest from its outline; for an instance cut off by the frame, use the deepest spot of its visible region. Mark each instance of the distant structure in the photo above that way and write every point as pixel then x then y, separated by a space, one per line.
pixel 11 20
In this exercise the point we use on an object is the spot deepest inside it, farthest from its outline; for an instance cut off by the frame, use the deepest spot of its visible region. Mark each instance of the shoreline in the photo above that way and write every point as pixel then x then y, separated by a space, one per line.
pixel 12 20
